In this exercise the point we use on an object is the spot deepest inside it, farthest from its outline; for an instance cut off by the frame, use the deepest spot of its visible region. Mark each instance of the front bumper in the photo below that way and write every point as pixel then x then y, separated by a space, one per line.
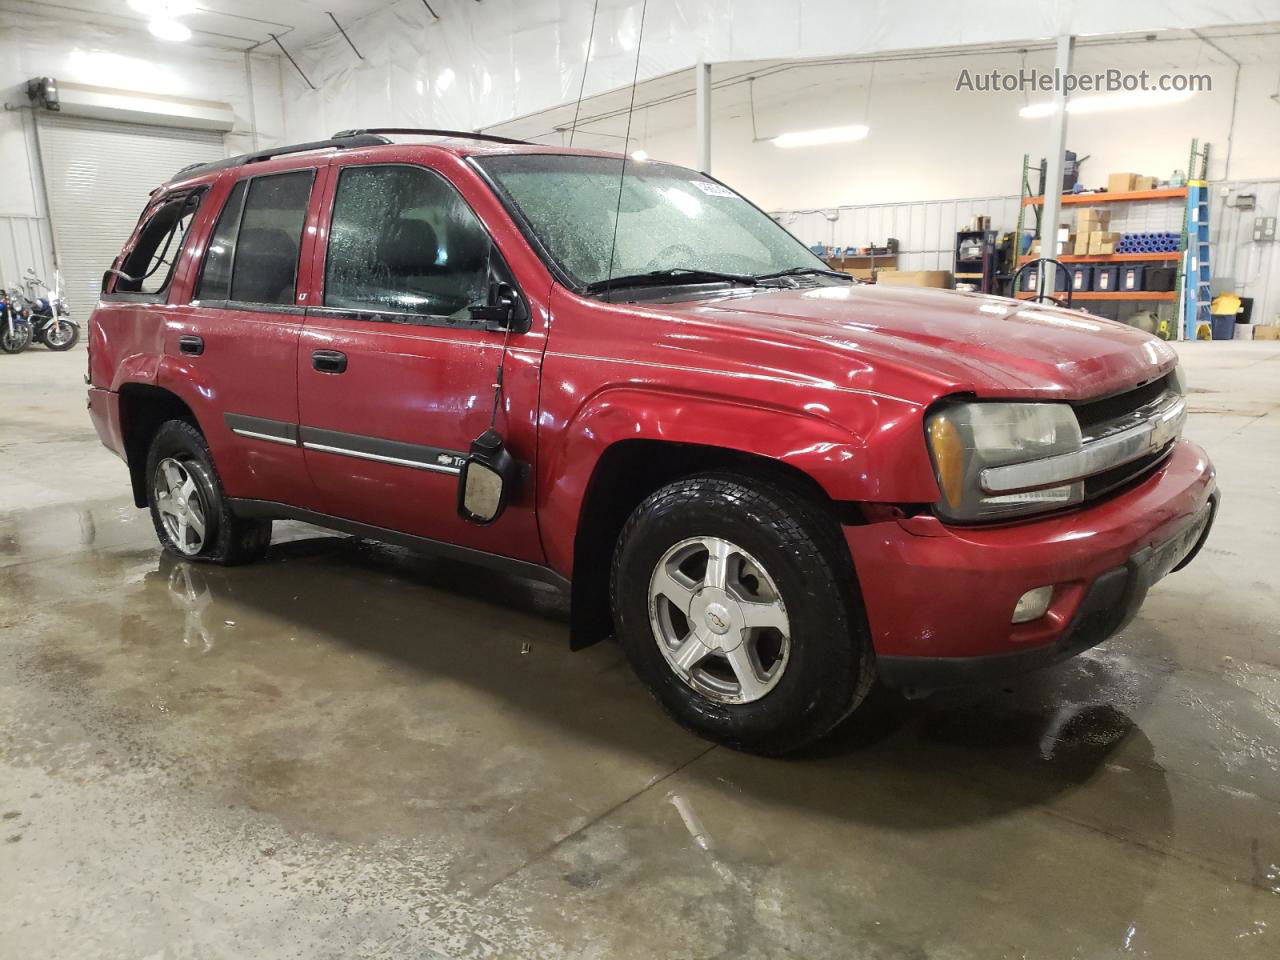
pixel 939 598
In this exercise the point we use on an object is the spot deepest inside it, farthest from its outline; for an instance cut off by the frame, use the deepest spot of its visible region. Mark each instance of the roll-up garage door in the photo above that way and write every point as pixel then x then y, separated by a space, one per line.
pixel 98 175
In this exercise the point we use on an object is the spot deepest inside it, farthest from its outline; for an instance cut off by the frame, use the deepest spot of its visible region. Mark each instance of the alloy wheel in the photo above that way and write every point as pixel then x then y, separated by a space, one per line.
pixel 719 620
pixel 181 507
pixel 58 333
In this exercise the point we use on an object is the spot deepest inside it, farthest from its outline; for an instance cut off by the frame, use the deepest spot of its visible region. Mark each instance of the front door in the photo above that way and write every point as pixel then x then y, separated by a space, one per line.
pixel 395 379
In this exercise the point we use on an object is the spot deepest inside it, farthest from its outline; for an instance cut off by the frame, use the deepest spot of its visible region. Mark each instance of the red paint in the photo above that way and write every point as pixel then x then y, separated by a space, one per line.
pixel 939 591
pixel 832 381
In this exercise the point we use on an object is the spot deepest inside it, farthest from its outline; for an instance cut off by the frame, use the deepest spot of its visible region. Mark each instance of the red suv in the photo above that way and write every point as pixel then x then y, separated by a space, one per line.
pixel 773 483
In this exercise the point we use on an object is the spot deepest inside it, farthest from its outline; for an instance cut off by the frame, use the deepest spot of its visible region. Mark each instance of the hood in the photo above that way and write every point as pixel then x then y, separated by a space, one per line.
pixel 960 342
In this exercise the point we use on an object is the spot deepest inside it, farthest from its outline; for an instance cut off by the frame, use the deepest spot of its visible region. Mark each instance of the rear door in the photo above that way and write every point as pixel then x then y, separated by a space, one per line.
pixel 395 380
pixel 236 341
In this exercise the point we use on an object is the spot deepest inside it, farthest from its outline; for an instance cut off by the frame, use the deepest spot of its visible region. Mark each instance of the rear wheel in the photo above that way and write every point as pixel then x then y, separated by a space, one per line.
pixel 735 601
pixel 188 508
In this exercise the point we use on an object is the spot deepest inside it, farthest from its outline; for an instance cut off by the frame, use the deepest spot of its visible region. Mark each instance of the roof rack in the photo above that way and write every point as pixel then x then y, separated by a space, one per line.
pixel 458 134
pixel 343 141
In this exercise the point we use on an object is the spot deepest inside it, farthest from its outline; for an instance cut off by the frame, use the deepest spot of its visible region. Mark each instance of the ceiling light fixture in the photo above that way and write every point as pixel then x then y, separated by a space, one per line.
pixel 817 138
pixel 639 156
pixel 1109 102
pixel 164 9
pixel 174 31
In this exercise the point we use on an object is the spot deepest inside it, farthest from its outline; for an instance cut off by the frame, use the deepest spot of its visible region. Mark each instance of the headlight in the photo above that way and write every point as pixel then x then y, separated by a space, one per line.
pixel 967 438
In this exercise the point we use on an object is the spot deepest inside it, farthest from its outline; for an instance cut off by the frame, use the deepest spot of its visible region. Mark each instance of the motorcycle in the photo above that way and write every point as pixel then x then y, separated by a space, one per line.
pixel 51 323
pixel 15 326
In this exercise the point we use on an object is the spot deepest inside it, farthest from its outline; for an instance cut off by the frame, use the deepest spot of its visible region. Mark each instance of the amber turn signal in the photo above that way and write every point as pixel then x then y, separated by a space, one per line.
pixel 948 458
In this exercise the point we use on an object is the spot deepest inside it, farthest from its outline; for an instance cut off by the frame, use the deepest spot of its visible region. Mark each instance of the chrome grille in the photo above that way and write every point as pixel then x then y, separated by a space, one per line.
pixel 1124 438
pixel 1098 413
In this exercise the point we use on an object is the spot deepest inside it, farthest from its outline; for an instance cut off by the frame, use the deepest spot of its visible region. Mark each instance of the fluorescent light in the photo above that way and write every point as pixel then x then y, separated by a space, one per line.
pixel 1033 111
pixel 173 30
pixel 639 156
pixel 816 138
pixel 1128 101
pixel 1109 102
pixel 164 9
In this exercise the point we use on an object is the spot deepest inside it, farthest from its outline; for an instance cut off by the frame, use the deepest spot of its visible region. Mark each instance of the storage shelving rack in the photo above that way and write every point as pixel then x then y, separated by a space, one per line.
pixel 886 256
pixel 1192 270
pixel 980 270
pixel 1089 199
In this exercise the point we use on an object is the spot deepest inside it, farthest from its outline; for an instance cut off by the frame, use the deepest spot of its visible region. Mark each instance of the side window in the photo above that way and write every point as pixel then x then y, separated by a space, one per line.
pixel 404 241
pixel 215 280
pixel 149 265
pixel 253 253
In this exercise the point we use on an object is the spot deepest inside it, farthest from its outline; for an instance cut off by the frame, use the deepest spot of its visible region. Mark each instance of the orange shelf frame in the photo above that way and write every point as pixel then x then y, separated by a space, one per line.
pixel 1115 295
pixel 1068 199
pixel 1110 257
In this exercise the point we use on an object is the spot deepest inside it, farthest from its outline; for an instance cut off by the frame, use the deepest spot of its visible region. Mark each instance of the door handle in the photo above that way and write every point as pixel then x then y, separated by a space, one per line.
pixel 329 361
pixel 191 345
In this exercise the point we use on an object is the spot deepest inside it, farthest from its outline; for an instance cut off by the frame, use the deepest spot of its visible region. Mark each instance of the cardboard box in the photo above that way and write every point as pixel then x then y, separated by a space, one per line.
pixel 1266 331
pixel 1089 219
pixel 916 278
pixel 1080 245
pixel 1102 242
pixel 1144 183
pixel 1122 183
pixel 1064 246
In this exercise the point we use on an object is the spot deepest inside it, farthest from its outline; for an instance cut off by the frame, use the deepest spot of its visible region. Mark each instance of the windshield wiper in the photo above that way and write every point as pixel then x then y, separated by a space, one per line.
pixel 802 272
pixel 674 275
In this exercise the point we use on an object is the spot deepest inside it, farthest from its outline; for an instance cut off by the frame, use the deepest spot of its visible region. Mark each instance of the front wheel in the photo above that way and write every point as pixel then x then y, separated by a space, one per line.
pixel 735 601
pixel 59 334
pixel 188 509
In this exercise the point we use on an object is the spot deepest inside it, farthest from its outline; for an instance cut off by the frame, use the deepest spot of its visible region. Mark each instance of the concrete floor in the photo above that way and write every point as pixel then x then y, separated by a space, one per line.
pixel 348 751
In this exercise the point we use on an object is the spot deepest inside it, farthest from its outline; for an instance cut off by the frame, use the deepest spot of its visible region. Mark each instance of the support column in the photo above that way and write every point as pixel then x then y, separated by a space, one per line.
pixel 702 97
pixel 1053 152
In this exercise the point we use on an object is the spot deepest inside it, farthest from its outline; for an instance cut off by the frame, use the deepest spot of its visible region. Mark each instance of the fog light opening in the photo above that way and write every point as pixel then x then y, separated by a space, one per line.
pixel 1033 604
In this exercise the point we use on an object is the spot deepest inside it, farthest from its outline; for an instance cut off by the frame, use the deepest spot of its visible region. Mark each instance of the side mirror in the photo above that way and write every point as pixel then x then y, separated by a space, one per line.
pixel 487 480
pixel 503 309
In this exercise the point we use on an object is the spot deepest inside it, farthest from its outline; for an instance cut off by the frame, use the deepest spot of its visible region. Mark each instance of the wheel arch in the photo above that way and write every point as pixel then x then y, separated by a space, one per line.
pixel 144 408
pixel 627 472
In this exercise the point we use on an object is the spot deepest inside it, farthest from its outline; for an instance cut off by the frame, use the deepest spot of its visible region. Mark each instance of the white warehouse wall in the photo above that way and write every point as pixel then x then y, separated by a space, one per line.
pixel 485 63
pixel 928 142
pixel 123 60
pixel 500 65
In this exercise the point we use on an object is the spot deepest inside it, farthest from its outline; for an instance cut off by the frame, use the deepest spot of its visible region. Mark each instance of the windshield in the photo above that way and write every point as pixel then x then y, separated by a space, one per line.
pixel 670 219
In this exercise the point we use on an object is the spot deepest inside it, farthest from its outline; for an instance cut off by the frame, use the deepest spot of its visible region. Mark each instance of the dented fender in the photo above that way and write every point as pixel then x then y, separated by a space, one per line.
pixel 849 465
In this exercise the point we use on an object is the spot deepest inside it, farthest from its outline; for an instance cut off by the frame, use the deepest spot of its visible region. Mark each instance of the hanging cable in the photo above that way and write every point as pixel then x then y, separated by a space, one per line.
pixel 617 215
pixel 582 87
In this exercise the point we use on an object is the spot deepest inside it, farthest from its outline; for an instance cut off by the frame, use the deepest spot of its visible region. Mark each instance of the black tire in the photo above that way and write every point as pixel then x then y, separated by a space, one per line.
pixel 19 341
pixel 227 539
pixel 45 337
pixel 831 664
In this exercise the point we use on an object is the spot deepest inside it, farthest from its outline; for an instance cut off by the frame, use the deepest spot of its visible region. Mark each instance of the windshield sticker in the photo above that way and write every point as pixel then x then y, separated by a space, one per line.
pixel 712 189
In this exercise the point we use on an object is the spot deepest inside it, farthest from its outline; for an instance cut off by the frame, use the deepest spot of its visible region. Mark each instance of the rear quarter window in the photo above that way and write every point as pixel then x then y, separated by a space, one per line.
pixel 147 268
